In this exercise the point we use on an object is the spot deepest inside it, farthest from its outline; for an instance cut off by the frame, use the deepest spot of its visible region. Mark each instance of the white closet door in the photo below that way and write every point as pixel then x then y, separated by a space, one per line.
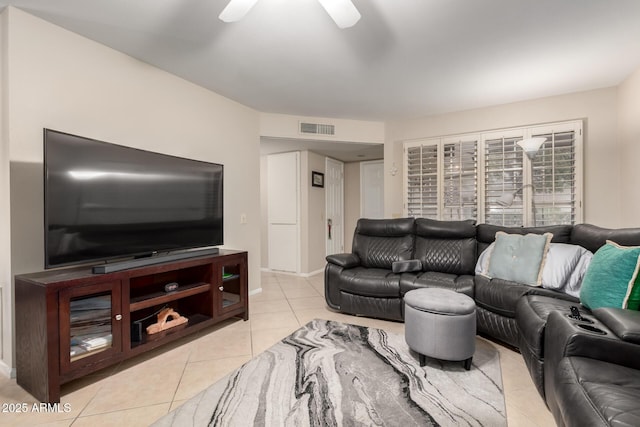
pixel 283 210
pixel 372 189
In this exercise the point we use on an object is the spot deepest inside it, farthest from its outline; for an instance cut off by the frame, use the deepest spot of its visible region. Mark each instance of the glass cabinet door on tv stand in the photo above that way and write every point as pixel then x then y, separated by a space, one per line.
pixel 231 295
pixel 90 325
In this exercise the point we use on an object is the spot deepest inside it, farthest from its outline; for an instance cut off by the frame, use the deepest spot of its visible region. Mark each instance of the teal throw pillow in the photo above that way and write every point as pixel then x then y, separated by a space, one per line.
pixel 519 258
pixel 612 278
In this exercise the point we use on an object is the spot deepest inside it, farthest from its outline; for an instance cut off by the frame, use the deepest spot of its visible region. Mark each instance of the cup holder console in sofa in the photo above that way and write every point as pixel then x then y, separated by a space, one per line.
pixel 591 328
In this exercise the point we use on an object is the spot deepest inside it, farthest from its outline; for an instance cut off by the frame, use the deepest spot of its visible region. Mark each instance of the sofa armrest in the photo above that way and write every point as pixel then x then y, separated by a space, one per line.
pixel 565 338
pixel 535 290
pixel 624 323
pixel 344 260
pixel 406 266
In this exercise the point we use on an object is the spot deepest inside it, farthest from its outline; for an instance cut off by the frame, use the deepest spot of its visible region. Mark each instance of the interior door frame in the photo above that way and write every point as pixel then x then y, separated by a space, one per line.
pixel 363 185
pixel 336 229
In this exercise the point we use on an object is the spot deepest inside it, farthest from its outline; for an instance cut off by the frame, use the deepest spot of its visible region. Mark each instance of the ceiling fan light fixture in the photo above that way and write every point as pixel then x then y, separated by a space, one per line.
pixel 236 10
pixel 343 12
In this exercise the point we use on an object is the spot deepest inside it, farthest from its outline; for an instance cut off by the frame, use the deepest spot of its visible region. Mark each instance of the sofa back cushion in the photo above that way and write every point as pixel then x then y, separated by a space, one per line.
pixel 446 246
pixel 592 237
pixel 486 233
pixel 380 242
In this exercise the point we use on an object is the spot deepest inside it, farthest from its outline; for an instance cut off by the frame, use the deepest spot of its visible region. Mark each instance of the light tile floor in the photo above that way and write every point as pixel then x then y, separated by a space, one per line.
pixel 139 391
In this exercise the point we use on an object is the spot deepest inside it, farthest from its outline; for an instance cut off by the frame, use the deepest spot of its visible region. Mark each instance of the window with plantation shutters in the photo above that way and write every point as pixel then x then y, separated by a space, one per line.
pixel 503 175
pixel 460 180
pixel 441 179
pixel 488 177
pixel 421 168
pixel 554 179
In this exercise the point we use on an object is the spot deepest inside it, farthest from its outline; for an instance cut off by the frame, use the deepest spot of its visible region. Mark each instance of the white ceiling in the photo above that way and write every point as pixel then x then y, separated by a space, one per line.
pixel 404 58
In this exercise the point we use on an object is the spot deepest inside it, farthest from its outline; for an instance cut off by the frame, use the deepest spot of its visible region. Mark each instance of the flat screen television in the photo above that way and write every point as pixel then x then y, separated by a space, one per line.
pixel 104 201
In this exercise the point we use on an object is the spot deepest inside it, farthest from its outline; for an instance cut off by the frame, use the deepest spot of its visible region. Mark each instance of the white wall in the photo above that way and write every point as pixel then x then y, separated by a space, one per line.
pixel 59 80
pixel 314 214
pixel 5 229
pixel 601 146
pixel 264 213
pixel 629 122
pixel 351 202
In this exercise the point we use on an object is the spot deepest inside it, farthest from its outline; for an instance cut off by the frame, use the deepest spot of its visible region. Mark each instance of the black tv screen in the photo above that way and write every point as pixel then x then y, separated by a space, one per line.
pixel 105 201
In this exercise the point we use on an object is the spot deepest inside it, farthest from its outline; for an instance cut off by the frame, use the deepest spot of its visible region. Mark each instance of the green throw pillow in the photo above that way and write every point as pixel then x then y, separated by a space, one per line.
pixel 611 279
pixel 632 300
pixel 519 258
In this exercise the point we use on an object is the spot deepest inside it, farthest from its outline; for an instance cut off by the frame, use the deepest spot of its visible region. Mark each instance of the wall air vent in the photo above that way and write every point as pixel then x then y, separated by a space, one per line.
pixel 317 129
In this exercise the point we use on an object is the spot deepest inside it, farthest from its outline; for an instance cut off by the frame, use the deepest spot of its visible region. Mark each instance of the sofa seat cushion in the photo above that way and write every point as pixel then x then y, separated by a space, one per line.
pixel 372 282
pixel 499 296
pixel 431 279
pixel 592 392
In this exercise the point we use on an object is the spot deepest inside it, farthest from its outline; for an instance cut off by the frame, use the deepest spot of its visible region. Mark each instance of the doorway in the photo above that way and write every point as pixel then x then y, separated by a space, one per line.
pixel 334 199
pixel 283 211
pixel 372 189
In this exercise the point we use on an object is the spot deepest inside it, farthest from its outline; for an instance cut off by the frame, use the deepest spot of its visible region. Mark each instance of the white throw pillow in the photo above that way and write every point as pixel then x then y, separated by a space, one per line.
pixel 563 270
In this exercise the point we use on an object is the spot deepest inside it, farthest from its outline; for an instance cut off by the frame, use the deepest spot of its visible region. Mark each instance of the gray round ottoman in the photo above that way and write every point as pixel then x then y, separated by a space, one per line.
pixel 440 323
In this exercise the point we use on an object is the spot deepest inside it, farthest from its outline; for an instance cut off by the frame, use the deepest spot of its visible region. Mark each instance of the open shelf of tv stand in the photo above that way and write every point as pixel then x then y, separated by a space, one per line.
pixel 196 323
pixel 211 288
pixel 161 297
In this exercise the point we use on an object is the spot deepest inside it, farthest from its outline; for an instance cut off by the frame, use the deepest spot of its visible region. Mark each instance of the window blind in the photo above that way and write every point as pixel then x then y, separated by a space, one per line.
pixel 422 181
pixel 554 180
pixel 503 175
pixel 460 186
pixel 488 177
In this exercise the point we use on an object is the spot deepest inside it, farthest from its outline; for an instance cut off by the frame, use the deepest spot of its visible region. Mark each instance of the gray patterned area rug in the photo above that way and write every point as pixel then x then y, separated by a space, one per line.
pixel 334 374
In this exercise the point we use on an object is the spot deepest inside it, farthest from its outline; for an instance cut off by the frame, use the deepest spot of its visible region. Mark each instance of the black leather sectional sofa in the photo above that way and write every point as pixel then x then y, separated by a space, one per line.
pixel 571 365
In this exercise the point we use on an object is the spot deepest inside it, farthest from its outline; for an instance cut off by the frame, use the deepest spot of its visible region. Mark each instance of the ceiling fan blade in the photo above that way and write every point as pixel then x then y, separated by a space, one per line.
pixel 343 12
pixel 236 10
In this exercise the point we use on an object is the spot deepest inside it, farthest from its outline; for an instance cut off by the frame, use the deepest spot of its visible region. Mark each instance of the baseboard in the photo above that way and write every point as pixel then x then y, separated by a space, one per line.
pixel 288 273
pixel 255 291
pixel 313 273
pixel 6 370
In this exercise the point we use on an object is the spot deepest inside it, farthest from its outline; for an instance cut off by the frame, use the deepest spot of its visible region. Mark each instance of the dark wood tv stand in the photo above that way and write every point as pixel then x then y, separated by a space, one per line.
pixel 72 322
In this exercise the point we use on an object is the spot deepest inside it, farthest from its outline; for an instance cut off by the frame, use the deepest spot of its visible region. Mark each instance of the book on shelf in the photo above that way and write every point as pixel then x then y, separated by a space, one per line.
pixel 101 302
pixel 89 343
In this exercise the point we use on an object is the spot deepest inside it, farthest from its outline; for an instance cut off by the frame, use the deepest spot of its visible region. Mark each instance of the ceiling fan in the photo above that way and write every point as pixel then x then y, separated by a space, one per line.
pixel 343 12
